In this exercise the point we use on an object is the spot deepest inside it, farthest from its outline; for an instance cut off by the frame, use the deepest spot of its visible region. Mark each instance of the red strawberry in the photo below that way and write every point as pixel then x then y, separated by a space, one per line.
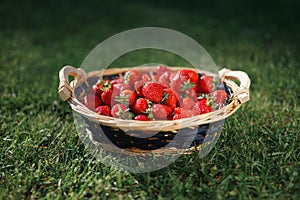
pixel 154 77
pixel 170 117
pixel 183 112
pixel 177 116
pixel 119 87
pixel 205 84
pixel 160 111
pixel 97 89
pixel 121 111
pixel 189 93
pixel 92 101
pixel 140 106
pixel 172 75
pixel 103 110
pixel 115 81
pixel 126 97
pixel 164 79
pixel 182 84
pixel 98 101
pixel 219 96
pixel 177 81
pixel 146 78
pixel 132 76
pixel 169 98
pixel 161 70
pixel 142 118
pixel 138 86
pixel 189 74
pixel 187 103
pixel 106 96
pixel 153 91
pixel 202 107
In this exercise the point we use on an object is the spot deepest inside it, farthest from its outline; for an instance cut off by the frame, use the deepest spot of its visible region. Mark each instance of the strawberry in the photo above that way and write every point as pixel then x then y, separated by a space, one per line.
pixel 160 70
pixel 183 113
pixel 164 79
pixel 154 77
pixel 170 117
pixel 103 110
pixel 138 86
pixel 177 81
pixel 98 101
pixel 189 93
pixel 97 89
pixel 126 97
pixel 142 118
pixel 169 98
pixel 182 84
pixel 146 78
pixel 160 111
pixel 205 84
pixel 140 106
pixel 202 107
pixel 132 76
pixel 104 84
pixel 177 116
pixel 187 103
pixel 106 96
pixel 121 111
pixel 189 74
pixel 219 96
pixel 172 75
pixel 115 81
pixel 119 87
pixel 92 101
pixel 153 91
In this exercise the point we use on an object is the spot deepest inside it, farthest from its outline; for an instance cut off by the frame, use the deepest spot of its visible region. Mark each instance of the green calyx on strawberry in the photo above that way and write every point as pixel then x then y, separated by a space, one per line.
pixel 131 76
pixel 121 111
pixel 104 85
pixel 126 97
pixel 183 85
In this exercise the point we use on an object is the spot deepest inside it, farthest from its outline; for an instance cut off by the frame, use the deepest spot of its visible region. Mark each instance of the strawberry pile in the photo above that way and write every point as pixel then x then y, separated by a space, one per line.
pixel 161 95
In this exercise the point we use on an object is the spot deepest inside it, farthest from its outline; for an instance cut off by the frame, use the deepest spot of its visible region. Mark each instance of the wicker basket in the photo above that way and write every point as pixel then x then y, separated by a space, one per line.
pixel 195 133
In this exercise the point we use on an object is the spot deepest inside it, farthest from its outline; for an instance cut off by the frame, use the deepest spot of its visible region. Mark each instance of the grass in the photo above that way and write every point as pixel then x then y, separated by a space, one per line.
pixel 257 155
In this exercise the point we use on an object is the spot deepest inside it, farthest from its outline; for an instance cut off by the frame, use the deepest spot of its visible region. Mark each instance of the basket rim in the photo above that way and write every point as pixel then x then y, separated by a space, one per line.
pixel 157 125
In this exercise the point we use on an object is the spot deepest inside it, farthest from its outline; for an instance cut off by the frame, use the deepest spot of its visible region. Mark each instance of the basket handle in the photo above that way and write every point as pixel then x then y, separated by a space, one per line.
pixel 65 90
pixel 242 93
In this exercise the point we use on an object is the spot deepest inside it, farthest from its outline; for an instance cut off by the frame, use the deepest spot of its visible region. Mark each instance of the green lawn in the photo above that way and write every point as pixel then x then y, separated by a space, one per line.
pixel 257 155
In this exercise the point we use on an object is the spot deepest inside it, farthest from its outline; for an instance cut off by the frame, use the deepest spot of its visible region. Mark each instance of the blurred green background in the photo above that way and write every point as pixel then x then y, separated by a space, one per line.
pixel 257 155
